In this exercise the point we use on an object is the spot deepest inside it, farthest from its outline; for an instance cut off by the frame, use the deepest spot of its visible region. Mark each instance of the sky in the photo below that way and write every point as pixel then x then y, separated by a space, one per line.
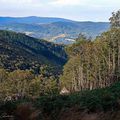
pixel 79 10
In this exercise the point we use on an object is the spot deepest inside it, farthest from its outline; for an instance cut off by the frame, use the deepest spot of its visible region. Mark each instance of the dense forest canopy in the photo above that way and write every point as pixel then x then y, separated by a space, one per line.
pixel 29 66
pixel 25 83
pixel 94 64
pixel 18 51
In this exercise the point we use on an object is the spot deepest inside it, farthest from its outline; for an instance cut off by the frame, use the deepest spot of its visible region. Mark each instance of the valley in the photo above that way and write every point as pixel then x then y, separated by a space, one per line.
pixel 59 69
pixel 50 28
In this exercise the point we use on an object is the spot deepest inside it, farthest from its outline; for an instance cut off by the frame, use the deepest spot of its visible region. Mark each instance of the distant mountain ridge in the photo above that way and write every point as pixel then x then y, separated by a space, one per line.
pixel 32 20
pixel 50 28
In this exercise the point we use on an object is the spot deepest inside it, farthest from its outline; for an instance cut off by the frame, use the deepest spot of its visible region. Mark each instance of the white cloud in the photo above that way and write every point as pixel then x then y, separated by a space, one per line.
pixel 15 1
pixel 58 3
pixel 66 2
pixel 86 3
pixel 22 4
pixel 74 9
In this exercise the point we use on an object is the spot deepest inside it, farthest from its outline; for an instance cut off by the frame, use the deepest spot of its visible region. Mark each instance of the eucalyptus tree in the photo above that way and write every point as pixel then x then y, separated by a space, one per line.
pixel 115 19
pixel 93 64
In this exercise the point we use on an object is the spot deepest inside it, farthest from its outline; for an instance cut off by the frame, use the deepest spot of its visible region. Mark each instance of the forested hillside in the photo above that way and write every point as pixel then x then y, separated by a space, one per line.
pixel 18 51
pixel 87 89
pixel 93 64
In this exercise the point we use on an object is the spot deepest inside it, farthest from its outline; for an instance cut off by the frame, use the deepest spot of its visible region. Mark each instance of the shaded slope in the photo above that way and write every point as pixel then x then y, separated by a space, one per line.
pixel 16 48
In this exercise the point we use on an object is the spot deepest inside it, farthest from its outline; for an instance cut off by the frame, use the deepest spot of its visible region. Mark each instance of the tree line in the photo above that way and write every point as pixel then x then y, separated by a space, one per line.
pixel 94 63
pixel 26 84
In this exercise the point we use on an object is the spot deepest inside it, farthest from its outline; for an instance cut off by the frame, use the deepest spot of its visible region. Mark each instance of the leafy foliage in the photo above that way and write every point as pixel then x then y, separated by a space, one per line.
pixel 23 83
pixel 105 99
pixel 115 19
pixel 93 64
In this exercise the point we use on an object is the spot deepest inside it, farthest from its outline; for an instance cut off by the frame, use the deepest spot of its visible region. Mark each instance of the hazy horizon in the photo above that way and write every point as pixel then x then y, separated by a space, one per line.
pixel 78 10
pixel 52 17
